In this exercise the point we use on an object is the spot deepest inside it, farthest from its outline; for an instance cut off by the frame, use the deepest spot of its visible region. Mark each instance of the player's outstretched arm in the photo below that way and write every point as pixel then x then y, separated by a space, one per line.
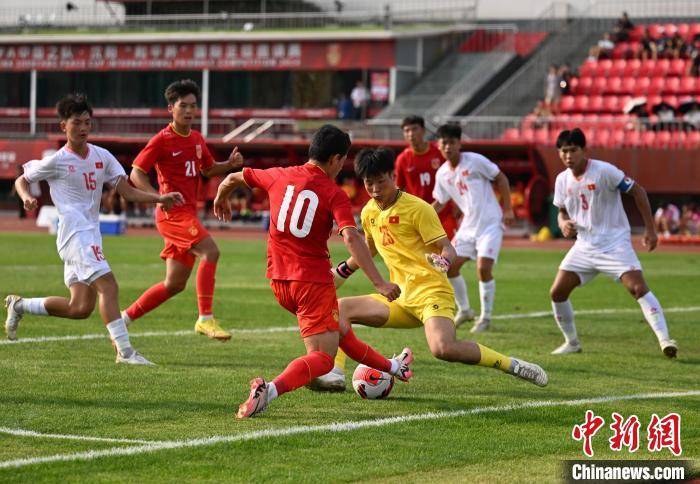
pixel 222 202
pixel 141 180
pixel 650 238
pixel 363 258
pixel 566 225
pixel 442 261
pixel 235 160
pixel 346 268
pixel 22 187
pixel 132 194
pixel 503 186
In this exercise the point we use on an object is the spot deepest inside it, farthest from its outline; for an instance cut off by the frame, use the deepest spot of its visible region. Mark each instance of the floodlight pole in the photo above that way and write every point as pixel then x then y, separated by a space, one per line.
pixel 32 102
pixel 205 102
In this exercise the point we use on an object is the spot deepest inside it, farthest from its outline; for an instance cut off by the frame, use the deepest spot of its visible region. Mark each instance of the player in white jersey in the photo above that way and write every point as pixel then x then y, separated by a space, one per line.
pixel 587 194
pixel 467 179
pixel 76 174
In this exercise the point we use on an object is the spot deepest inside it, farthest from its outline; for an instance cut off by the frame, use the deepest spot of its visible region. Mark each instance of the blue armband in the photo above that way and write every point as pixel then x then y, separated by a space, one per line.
pixel 625 184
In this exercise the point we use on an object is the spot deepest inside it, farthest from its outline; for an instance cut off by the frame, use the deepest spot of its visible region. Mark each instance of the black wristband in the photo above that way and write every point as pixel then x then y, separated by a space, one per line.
pixel 344 270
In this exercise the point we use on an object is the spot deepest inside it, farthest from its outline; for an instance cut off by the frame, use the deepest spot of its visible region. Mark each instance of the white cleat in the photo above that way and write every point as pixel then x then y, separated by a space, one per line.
pixel 333 381
pixel 463 316
pixel 13 317
pixel 481 325
pixel 567 348
pixel 669 347
pixel 529 372
pixel 135 358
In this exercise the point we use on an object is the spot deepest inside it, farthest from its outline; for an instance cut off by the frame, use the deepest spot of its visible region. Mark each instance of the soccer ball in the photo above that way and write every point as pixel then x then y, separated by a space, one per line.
pixel 370 383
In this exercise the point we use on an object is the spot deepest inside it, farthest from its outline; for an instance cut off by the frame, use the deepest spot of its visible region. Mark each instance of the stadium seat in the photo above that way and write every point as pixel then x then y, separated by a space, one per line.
pixel 614 86
pixel 628 84
pixel 511 134
pixel 580 104
pixel 661 68
pixel 632 138
pixel 632 67
pixel 527 134
pixel 648 138
pixel 567 104
pixel 637 32
pixel 599 85
pixel 543 136
pixel 588 68
pixel 529 121
pixel 673 85
pixel 574 83
pixel 688 85
pixel 679 139
pixel 677 67
pixel 693 31
pixel 672 100
pixel 603 67
pixel 618 138
pixel 670 29
pixel 693 139
pixel 584 85
pixel 595 104
pixel 656 31
pixel 602 137
pixel 611 104
pixel 663 139
pixel 646 68
pixel 618 68
pixel 641 87
pixel 683 31
pixel 606 121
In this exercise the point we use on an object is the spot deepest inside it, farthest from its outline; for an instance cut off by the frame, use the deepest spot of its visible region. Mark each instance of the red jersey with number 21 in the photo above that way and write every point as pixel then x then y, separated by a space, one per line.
pixel 304 202
pixel 178 160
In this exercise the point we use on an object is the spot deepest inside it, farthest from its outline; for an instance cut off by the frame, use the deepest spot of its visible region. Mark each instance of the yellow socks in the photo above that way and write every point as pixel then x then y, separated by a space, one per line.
pixel 492 359
pixel 340 359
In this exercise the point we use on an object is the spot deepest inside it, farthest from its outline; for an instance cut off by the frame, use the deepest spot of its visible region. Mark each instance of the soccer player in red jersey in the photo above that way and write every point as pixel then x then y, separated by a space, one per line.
pixel 304 202
pixel 179 154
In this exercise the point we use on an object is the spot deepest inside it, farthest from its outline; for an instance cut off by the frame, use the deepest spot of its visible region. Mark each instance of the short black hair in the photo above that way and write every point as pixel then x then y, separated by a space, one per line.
pixel 180 89
pixel 449 130
pixel 374 162
pixel 413 119
pixel 73 105
pixel 328 141
pixel 573 137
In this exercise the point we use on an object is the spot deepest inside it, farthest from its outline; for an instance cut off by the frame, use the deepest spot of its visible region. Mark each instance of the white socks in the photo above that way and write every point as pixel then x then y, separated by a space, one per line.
pixel 32 306
pixel 271 391
pixel 564 315
pixel 487 291
pixel 120 336
pixel 654 315
pixel 206 317
pixel 395 365
pixel 460 287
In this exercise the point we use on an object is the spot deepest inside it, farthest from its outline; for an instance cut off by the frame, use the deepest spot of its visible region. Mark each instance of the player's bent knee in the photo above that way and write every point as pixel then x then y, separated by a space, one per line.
pixel 81 310
pixel 174 287
pixel 441 351
pixel 212 255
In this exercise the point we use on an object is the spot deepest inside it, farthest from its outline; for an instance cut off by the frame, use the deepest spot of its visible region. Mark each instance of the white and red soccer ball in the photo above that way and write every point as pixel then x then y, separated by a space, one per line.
pixel 372 384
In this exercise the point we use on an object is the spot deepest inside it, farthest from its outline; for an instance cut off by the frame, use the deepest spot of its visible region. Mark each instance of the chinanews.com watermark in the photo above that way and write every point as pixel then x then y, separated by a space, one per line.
pixel 662 437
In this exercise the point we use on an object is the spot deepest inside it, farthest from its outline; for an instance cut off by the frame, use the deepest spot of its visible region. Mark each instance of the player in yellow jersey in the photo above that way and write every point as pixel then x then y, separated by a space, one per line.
pixel 407 233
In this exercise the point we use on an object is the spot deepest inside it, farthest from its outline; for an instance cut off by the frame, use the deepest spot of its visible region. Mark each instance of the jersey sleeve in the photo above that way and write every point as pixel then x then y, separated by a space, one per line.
pixel 440 192
pixel 615 179
pixel 399 171
pixel 485 167
pixel 147 157
pixel 207 158
pixel 256 178
pixel 113 169
pixel 38 170
pixel 428 224
pixel 342 210
pixel 559 195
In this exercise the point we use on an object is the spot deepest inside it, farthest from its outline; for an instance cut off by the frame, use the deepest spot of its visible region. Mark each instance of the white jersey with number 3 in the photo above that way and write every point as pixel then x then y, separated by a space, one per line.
pixel 469 185
pixel 593 202
pixel 76 187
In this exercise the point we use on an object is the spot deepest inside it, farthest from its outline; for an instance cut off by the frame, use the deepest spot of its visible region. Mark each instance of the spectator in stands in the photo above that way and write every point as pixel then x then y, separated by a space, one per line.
pixel 622 29
pixel 543 113
pixel 605 46
pixel 690 220
pixel 552 90
pixel 344 107
pixel 359 97
pixel 691 117
pixel 565 76
pixel 667 218
pixel 649 49
pixel 694 64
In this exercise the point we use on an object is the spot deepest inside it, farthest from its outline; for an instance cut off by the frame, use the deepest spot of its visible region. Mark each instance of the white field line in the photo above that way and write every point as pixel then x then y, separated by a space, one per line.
pixel 290 329
pixel 332 427
pixel 31 433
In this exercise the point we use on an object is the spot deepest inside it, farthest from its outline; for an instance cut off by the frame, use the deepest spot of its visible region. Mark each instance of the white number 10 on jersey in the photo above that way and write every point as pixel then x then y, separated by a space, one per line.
pixel 304 195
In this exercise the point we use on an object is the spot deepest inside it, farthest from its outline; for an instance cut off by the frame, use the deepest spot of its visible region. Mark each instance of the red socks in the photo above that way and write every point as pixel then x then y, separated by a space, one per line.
pixel 149 300
pixel 302 370
pixel 206 277
pixel 363 353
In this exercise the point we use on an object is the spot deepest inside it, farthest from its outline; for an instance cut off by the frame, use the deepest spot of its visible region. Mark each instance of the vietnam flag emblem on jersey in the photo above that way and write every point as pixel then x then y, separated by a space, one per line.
pixel 591 186
pixel 99 164
pixel 394 219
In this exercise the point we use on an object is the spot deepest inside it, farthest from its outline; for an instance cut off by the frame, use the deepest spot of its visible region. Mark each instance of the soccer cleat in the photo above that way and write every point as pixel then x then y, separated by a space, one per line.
pixel 405 358
pixel 567 348
pixel 211 329
pixel 333 381
pixel 13 317
pixel 529 372
pixel 463 316
pixel 257 400
pixel 135 358
pixel 668 346
pixel 480 325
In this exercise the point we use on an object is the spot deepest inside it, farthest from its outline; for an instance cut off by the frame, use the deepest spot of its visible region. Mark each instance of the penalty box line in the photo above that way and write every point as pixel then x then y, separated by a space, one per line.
pixel 332 427
pixel 291 329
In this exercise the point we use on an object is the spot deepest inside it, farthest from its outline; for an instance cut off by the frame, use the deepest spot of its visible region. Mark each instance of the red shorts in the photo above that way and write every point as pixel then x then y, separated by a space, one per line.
pixel 448 220
pixel 180 231
pixel 314 303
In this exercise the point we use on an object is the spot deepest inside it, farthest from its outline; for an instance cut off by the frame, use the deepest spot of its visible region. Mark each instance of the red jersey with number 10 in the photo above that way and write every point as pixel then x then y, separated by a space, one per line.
pixel 415 173
pixel 178 160
pixel 304 202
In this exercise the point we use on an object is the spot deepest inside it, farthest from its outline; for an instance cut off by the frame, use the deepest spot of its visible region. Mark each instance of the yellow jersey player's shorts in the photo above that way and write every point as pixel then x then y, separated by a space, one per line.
pixel 404 315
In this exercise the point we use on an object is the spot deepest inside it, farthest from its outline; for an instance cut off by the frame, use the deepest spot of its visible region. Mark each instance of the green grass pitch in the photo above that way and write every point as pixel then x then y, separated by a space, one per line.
pixel 73 387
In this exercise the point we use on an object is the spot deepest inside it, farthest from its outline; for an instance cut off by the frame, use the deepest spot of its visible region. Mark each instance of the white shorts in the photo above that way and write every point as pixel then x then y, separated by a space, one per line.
pixel 83 261
pixel 587 263
pixel 487 244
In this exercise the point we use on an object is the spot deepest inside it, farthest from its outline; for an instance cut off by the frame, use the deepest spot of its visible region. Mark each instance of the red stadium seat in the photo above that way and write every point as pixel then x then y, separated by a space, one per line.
pixel 567 104
pixel 621 51
pixel 657 86
pixel 663 139
pixel 693 31
pixel 628 85
pixel 673 85
pixel 595 104
pixel 618 138
pixel 603 67
pixel 527 134
pixel 588 68
pixel 637 32
pixel 670 29
pixel 679 139
pixel 602 137
pixel 632 67
pixel 648 138
pixel 632 138
pixel 641 86
pixel 646 68
pixel 672 100
pixel 618 68
pixel 511 134
pixel 677 67
pixel 611 104
pixel 605 121
pixel 528 121
pixel 661 67
pixel 581 104
pixel 688 85
pixel 584 85
pixel 656 31
pixel 693 139
pixel 542 136
pixel 683 31
pixel 574 83
pixel 614 86
pixel 578 119
pixel 599 85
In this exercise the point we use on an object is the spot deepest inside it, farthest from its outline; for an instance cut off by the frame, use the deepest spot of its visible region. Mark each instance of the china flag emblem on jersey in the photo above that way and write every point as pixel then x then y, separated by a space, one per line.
pixel 198 149
pixel 394 219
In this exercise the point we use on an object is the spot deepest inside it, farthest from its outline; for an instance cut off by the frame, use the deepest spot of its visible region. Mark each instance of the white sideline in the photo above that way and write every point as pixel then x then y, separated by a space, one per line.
pixel 31 433
pixel 332 427
pixel 286 329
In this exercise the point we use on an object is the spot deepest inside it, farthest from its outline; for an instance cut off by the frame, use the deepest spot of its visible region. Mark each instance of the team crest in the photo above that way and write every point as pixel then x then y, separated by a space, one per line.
pixel 198 150
pixel 71 168
pixel 435 163
pixel 193 231
pixel 334 313
pixel 371 221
